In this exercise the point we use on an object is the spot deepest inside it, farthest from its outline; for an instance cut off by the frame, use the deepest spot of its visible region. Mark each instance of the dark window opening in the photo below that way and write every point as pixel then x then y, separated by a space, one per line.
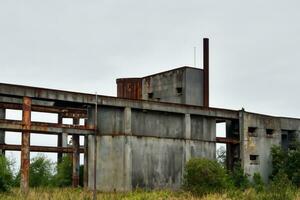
pixel 284 141
pixel 157 99
pixel 179 90
pixel 254 159
pixel 252 132
pixel 269 132
pixel 150 95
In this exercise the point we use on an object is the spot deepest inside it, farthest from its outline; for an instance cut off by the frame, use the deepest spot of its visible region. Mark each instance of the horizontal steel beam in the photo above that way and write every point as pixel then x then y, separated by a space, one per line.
pixel 14 147
pixel 227 140
pixel 39 127
pixel 65 112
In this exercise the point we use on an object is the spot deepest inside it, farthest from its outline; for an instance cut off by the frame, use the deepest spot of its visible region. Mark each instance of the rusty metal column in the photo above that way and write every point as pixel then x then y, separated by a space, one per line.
pixel 59 139
pixel 86 162
pixel 2 132
pixel 205 72
pixel 25 153
pixel 76 154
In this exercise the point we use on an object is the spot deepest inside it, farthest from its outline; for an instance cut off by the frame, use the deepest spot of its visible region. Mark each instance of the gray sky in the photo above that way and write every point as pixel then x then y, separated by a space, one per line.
pixel 85 45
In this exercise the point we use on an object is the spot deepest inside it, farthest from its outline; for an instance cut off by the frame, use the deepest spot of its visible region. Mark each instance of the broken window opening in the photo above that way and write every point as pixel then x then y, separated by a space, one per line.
pixel 269 132
pixel 150 95
pixel 254 159
pixel 252 132
pixel 179 91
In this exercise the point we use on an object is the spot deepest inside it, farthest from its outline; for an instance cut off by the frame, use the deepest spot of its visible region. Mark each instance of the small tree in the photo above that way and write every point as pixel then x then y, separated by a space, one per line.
pixel 63 176
pixel 258 183
pixel 6 175
pixel 40 171
pixel 204 176
pixel 240 180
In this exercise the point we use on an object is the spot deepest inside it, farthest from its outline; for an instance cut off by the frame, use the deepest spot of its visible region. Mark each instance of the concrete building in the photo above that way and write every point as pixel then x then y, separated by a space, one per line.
pixel 145 135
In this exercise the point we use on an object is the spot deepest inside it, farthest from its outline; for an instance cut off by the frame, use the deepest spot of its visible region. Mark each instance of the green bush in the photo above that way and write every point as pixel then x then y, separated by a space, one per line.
pixel 204 176
pixel 239 179
pixel 258 183
pixel 40 172
pixel 63 176
pixel 6 175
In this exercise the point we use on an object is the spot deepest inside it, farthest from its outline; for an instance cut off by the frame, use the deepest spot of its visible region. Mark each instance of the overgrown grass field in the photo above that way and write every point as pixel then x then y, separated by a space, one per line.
pixel 80 194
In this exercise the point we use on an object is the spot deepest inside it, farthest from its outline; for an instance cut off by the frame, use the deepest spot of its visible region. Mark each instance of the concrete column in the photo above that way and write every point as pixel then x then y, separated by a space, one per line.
pixel 187 127
pixel 127 121
pixel 127 184
pixel 2 132
pixel 25 153
pixel 187 136
pixel 76 156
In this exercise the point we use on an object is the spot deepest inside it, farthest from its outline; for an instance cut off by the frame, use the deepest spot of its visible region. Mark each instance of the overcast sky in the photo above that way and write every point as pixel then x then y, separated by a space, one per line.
pixel 85 45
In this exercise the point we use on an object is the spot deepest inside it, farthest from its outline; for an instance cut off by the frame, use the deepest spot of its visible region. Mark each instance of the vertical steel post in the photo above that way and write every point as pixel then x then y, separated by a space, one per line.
pixel 2 132
pixel 205 72
pixel 86 162
pixel 59 139
pixel 25 153
pixel 76 154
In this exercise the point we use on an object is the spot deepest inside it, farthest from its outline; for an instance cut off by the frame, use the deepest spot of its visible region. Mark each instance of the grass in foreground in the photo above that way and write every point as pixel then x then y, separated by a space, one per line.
pixel 74 194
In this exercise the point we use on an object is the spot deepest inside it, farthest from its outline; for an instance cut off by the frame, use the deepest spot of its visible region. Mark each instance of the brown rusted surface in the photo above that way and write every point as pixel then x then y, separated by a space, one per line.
pixel 227 140
pixel 75 157
pixel 25 154
pixel 34 148
pixel 130 88
pixel 205 72
pixel 86 161
pixel 47 128
pixel 59 138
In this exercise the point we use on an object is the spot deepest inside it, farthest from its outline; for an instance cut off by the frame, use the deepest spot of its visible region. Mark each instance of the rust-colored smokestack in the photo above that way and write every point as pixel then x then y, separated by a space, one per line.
pixel 205 72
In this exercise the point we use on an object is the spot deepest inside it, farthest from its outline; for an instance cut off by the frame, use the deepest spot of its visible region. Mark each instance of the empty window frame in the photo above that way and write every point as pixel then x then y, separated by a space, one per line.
pixel 254 159
pixel 179 91
pixel 252 131
pixel 150 95
pixel 269 132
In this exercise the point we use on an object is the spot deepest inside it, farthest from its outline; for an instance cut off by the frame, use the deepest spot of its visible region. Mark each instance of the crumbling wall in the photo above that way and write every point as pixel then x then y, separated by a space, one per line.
pixel 259 134
pixel 147 148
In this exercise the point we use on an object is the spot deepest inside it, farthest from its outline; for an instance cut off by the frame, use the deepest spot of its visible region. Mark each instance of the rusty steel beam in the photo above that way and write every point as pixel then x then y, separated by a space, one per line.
pixel 227 140
pixel 2 132
pixel 64 112
pixel 47 128
pixel 59 138
pixel 86 161
pixel 75 157
pixel 25 153
pixel 206 72
pixel 45 149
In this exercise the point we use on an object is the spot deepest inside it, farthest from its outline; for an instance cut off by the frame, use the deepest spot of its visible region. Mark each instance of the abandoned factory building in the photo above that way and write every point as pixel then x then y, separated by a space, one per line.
pixel 145 135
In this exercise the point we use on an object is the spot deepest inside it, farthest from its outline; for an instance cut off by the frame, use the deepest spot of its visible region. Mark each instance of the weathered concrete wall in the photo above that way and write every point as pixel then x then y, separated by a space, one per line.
pixel 259 143
pixel 148 149
pixel 163 86
pixel 183 85
pixel 193 86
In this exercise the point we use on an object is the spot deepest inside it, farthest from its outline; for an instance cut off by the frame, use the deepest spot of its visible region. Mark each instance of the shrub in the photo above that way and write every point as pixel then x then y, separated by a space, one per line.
pixel 63 176
pixel 239 179
pixel 204 176
pixel 40 171
pixel 6 175
pixel 258 183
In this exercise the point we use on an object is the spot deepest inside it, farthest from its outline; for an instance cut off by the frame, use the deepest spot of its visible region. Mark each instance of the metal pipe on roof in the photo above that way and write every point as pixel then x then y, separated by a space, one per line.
pixel 205 72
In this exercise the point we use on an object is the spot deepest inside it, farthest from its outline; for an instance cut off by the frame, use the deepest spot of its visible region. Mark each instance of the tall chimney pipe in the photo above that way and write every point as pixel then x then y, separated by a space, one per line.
pixel 206 72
